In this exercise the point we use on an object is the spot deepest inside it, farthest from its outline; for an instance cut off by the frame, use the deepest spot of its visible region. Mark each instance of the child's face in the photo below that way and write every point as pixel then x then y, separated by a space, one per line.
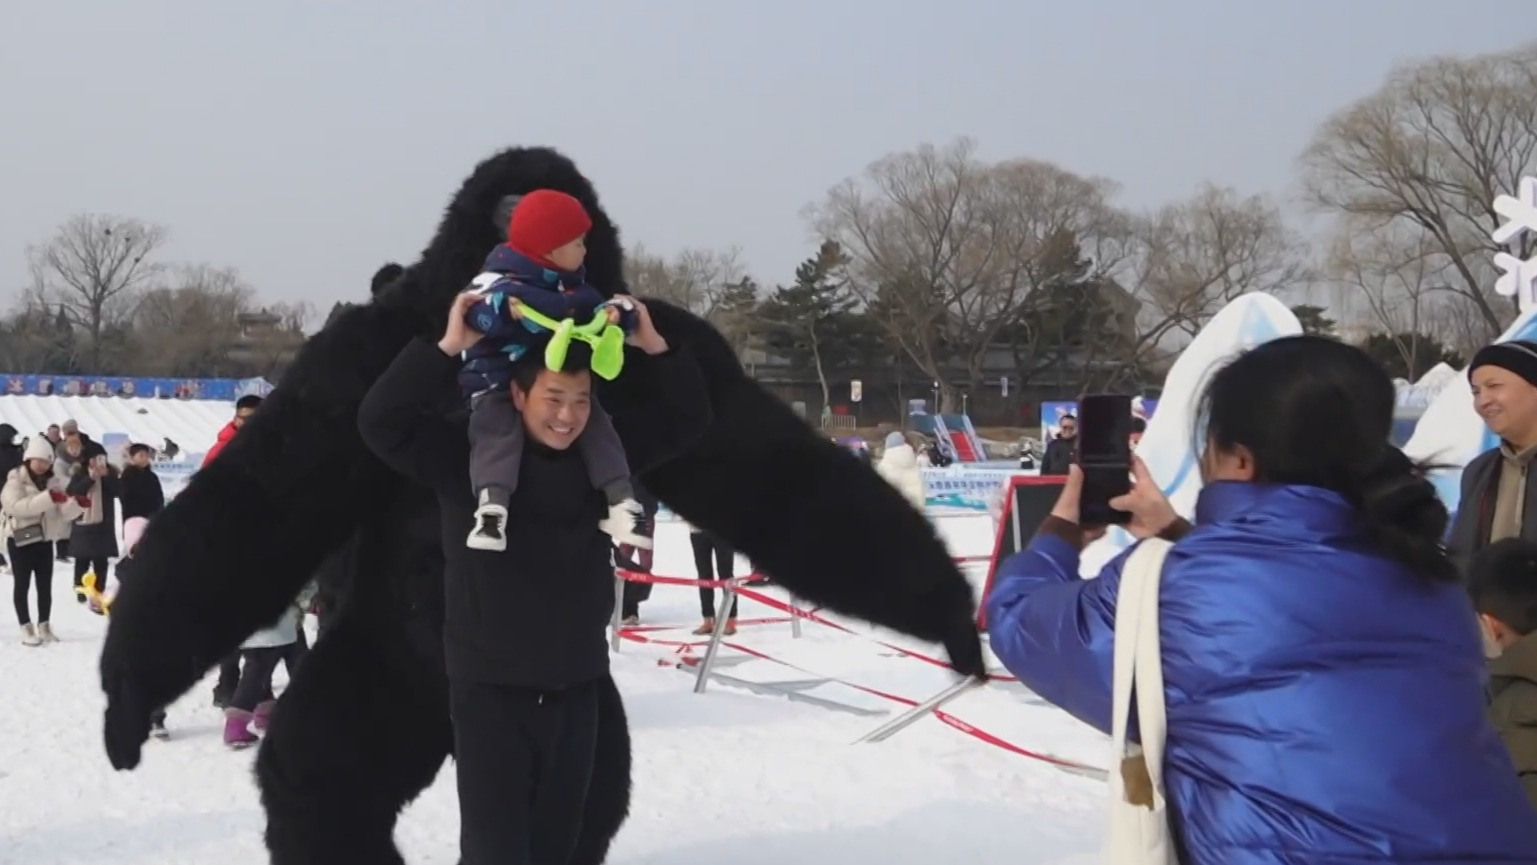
pixel 570 256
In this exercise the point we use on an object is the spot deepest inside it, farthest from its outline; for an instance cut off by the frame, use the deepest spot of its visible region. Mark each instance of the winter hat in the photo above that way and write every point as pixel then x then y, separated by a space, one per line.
pixel 38 448
pixel 7 434
pixel 1518 356
pixel 895 440
pixel 545 220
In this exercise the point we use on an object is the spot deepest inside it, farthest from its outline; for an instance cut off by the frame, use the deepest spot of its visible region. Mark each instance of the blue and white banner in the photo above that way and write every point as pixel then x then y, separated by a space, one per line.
pixel 968 488
pixel 224 389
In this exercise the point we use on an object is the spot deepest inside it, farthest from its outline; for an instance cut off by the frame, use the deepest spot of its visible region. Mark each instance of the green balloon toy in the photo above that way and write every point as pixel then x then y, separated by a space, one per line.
pixel 606 339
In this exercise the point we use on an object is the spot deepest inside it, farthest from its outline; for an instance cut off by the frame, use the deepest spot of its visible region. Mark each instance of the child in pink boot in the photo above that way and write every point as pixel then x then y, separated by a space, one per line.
pixel 249 709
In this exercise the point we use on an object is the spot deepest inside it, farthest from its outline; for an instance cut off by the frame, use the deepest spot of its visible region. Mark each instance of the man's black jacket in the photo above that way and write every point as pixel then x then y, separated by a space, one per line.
pixel 534 615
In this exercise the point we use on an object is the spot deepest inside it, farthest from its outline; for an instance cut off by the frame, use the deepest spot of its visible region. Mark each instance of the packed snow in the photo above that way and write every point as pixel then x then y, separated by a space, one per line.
pixel 725 776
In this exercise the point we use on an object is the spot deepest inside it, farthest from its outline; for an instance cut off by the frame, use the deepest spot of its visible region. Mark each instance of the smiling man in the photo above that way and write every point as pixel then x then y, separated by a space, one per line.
pixel 524 628
pixel 1497 484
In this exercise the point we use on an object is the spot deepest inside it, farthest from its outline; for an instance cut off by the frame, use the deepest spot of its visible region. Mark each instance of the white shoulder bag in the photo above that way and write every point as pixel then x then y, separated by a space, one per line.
pixel 1139 816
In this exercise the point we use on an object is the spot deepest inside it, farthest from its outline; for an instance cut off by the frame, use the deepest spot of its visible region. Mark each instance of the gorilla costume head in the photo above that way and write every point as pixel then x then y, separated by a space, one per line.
pixel 363 726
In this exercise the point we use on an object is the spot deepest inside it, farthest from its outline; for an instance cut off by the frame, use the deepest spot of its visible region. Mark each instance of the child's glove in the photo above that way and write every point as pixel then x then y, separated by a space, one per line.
pixel 83 501
pixel 58 496
pixel 622 312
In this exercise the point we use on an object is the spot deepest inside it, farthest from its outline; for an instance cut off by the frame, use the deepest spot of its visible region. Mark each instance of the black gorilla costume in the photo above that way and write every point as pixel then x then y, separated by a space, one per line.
pixel 363 728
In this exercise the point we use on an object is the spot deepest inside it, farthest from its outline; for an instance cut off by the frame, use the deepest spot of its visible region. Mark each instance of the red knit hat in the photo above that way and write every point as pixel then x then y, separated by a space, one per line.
pixel 544 221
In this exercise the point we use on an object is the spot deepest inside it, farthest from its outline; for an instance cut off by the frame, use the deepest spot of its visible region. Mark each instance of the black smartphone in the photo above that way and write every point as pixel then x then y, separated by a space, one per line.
pixel 1104 456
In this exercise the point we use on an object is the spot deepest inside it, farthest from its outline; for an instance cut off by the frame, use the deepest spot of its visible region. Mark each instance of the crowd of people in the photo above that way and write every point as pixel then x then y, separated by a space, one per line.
pixel 60 503
pixel 1350 674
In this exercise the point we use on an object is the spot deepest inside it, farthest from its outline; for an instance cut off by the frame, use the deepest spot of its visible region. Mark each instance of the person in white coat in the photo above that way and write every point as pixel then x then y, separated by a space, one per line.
pixel 899 466
pixel 34 515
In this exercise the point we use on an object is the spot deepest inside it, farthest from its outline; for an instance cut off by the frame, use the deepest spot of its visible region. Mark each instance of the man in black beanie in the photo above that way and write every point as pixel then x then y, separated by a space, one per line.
pixel 1497 484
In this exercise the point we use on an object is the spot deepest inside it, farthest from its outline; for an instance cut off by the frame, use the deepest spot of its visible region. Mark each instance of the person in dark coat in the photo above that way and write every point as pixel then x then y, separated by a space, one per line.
pixel 10 458
pixel 97 487
pixel 524 683
pixel 10 451
pixel 1059 451
pixel 143 494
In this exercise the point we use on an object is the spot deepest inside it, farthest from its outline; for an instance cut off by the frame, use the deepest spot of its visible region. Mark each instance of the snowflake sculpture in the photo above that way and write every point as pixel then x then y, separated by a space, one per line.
pixel 1518 276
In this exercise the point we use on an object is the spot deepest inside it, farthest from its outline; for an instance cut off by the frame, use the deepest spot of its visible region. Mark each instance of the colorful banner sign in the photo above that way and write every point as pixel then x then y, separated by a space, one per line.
pixel 223 389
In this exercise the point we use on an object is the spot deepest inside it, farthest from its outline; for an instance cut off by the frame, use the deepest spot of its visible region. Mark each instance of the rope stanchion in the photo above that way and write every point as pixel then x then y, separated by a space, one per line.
pixel 733 589
pixel 775 603
pixel 946 718
pixel 722 620
pixel 913 715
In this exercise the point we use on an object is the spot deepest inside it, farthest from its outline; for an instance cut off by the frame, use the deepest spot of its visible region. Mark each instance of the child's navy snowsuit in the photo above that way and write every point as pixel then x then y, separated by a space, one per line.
pixel 508 276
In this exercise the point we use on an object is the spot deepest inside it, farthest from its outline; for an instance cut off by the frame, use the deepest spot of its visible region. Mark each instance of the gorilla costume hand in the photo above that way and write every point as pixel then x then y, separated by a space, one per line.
pixel 128 718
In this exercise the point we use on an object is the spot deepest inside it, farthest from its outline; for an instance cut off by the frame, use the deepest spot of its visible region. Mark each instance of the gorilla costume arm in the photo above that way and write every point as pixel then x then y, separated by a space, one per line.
pixel 232 550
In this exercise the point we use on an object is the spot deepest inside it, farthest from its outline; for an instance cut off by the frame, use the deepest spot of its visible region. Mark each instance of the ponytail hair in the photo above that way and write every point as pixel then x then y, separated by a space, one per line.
pixel 1314 411
pixel 1404 518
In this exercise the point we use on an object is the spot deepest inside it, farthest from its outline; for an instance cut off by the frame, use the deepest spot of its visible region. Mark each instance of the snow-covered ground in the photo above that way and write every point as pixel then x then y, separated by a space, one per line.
pixel 726 776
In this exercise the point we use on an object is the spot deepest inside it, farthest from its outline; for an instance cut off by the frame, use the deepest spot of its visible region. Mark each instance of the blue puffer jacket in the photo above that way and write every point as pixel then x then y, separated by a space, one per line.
pixel 1324 704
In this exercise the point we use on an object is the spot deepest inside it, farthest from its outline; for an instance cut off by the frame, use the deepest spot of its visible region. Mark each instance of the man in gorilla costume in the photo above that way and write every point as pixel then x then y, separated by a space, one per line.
pixel 363 728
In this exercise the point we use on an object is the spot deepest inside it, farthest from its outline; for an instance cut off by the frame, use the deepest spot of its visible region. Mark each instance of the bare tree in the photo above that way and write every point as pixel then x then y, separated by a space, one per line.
pixel 1428 153
pixel 944 248
pixel 695 279
pixel 1396 283
pixel 1196 256
pixel 187 326
pixel 92 266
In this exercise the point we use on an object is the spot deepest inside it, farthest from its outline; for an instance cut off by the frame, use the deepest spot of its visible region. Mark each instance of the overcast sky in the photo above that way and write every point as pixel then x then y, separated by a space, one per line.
pixel 307 142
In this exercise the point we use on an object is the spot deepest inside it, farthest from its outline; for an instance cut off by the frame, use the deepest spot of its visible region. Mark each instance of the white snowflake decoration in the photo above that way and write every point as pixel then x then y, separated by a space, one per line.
pixel 1518 277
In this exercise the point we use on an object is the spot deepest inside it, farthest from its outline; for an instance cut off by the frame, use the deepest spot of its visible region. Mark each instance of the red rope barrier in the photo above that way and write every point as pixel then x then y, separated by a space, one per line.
pixel 641 634
pixel 781 606
pixel 642 577
pixel 952 721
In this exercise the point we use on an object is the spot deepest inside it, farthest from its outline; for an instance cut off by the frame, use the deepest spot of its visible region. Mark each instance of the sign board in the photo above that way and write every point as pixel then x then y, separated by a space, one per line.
pixel 959 487
pixel 1029 501
pixel 856 390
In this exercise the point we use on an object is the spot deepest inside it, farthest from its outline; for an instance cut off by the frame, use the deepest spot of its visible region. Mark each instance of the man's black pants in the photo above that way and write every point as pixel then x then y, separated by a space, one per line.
pixel 524 760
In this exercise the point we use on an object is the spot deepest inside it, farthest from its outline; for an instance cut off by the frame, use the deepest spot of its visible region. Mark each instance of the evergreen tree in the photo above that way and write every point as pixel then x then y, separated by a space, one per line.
pixel 63 355
pixel 736 313
pixel 1313 320
pixel 813 323
pixel 1409 355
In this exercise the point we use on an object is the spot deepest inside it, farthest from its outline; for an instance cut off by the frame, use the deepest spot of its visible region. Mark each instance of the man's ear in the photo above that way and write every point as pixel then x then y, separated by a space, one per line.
pixel 519 398
pixel 1496 635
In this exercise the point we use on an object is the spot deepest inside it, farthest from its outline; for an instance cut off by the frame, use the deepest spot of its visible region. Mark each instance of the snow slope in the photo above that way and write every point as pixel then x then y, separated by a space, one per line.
pixel 726 776
pixel 193 424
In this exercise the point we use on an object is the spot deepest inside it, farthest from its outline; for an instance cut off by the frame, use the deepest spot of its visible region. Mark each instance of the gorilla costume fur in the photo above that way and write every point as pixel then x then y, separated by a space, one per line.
pixel 363 727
